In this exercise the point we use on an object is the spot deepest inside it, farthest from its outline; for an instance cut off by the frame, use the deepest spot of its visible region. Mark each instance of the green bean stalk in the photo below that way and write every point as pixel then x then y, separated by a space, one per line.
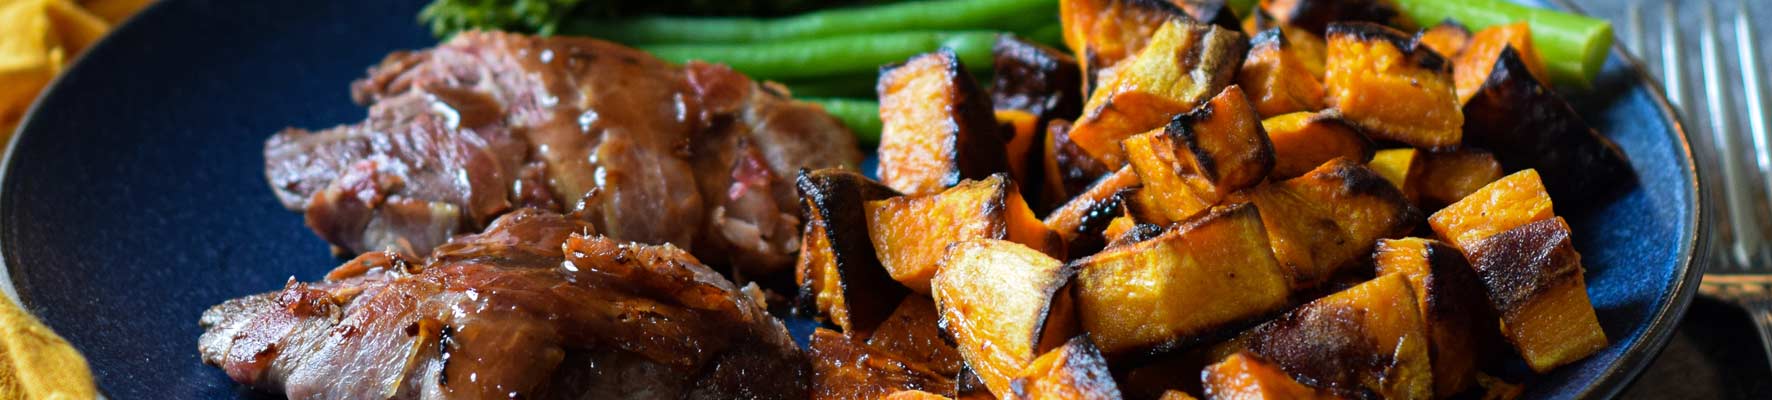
pixel 927 15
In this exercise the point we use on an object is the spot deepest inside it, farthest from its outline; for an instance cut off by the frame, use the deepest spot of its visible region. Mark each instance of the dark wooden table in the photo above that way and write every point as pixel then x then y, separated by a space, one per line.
pixel 1716 354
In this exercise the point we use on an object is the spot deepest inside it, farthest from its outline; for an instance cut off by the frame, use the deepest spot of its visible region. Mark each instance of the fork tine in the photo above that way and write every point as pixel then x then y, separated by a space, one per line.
pixel 1638 36
pixel 1747 46
pixel 1722 127
pixel 1673 76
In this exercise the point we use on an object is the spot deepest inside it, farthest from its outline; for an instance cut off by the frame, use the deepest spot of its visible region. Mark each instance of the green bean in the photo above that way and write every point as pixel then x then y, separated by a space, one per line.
pixel 860 115
pixel 927 15
pixel 831 57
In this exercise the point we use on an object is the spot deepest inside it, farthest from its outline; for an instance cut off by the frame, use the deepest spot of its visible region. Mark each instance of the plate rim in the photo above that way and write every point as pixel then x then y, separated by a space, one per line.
pixel 1608 384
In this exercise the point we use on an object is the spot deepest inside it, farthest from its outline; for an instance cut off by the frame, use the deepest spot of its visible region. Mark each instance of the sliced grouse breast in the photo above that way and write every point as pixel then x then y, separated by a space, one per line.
pixel 537 307
pixel 698 155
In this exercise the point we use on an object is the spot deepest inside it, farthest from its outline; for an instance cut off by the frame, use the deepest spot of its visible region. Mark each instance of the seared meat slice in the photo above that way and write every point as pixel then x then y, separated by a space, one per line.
pixel 535 307
pixel 698 156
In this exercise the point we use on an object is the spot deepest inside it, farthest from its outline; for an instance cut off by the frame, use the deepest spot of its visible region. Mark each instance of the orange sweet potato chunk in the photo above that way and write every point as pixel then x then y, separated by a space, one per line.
pixel 1105 32
pixel 936 126
pixel 1391 89
pixel 1073 371
pixel 911 233
pixel 1472 67
pixel 1535 280
pixel 1201 157
pixel 1447 177
pixel 1400 167
pixel 1184 64
pixel 1449 38
pixel 1329 219
pixel 1196 279
pixel 1453 304
pixel 1304 140
pixel 1367 339
pixel 1004 305
pixel 839 275
pixel 1243 376
pixel 1021 125
pixel 1080 221
pixel 1276 78
pixel 1500 206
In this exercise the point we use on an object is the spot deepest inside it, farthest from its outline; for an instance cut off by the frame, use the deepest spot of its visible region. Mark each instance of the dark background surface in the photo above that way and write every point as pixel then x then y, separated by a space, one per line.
pixel 1715 354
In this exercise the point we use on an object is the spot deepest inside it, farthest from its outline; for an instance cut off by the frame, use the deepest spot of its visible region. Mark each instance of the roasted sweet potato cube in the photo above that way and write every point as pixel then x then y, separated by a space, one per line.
pixel 1390 88
pixel 1244 376
pixel 936 126
pixel 910 233
pixel 1105 32
pixel 846 369
pixel 1197 279
pixel 1216 12
pixel 1307 45
pixel 1075 370
pixel 913 333
pixel 1534 279
pixel 1166 193
pixel 1302 141
pixel 1201 156
pixel 1528 126
pixel 1176 395
pixel 914 395
pixel 1080 221
pixel 1368 339
pixel 1119 228
pixel 1460 321
pixel 1329 218
pixel 840 276
pixel 1447 177
pixel 1002 303
pixel 1069 169
pixel 1449 38
pixel 1183 66
pixel 1400 167
pixel 1500 206
pixel 1276 79
pixel 1473 66
pixel 1031 77
pixel 1021 127
pixel 1316 15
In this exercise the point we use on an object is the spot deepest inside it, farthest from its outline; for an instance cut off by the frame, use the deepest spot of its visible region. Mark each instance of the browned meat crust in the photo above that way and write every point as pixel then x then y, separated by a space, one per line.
pixel 535 307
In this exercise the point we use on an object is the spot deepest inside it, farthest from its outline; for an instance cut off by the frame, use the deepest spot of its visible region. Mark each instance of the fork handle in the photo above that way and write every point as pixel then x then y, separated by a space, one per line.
pixel 1761 311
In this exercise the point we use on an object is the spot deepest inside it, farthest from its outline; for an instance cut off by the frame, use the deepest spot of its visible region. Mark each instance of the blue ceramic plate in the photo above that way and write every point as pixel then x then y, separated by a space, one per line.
pixel 134 196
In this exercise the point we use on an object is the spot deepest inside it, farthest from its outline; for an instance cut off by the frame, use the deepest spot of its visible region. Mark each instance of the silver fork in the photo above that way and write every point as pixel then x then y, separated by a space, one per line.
pixel 1734 116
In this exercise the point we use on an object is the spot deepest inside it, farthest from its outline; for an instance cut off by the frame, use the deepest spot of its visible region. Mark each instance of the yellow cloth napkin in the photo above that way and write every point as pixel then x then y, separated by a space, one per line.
pixel 35 364
pixel 40 37
pixel 37 39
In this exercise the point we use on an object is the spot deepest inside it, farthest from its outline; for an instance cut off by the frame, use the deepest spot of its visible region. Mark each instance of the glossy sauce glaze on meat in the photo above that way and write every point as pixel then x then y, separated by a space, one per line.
pixel 535 307
pixel 698 156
